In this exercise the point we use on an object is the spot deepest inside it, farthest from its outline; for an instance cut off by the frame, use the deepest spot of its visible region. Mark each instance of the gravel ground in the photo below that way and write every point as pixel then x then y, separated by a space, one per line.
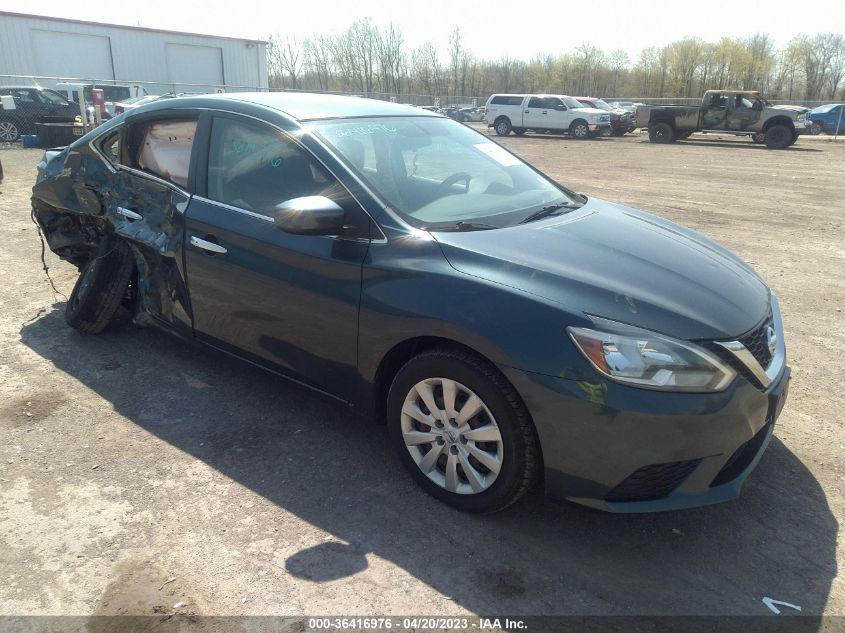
pixel 131 458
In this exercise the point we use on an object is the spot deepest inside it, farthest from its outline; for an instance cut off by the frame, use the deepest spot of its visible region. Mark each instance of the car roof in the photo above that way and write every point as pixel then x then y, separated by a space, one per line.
pixel 735 90
pixel 307 106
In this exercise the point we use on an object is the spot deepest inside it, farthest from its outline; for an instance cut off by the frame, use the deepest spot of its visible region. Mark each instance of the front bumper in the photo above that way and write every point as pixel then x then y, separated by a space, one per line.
pixel 597 127
pixel 622 449
pixel 803 127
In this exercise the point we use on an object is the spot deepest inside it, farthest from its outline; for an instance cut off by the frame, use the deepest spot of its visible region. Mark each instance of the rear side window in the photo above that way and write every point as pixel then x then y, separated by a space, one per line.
pixel 256 167
pixel 162 148
pixel 506 100
pixel 535 102
pixel 110 146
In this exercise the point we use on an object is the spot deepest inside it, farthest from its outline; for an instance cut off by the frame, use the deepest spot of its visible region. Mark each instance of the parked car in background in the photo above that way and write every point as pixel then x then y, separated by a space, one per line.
pixel 625 106
pixel 828 118
pixel 33 105
pixel 464 114
pixel 112 94
pixel 411 267
pixel 554 113
pixel 434 109
pixel 621 121
pixel 738 112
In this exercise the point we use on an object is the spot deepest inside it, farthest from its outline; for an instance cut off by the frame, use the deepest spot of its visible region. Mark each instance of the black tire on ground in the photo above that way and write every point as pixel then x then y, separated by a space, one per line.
pixel 795 136
pixel 619 132
pixel 684 135
pixel 519 131
pixel 502 126
pixel 10 130
pixel 778 137
pixel 759 138
pixel 661 133
pixel 521 460
pixel 100 288
pixel 579 129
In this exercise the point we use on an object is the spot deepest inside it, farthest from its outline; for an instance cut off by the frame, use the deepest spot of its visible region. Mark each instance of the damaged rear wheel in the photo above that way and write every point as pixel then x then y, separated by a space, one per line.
pixel 100 288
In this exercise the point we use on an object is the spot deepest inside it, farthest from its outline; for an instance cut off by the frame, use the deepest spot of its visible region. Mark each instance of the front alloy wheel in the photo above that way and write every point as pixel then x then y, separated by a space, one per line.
pixel 462 430
pixel 9 132
pixel 452 436
pixel 579 130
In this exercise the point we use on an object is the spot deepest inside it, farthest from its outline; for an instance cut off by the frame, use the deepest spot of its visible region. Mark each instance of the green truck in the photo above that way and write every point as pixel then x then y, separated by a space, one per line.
pixel 738 112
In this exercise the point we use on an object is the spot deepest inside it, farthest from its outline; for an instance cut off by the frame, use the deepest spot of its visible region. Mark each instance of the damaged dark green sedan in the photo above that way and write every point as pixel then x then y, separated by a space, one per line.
pixel 509 331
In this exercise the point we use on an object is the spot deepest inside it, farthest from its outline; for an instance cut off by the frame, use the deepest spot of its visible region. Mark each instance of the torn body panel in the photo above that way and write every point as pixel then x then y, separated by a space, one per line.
pixel 79 197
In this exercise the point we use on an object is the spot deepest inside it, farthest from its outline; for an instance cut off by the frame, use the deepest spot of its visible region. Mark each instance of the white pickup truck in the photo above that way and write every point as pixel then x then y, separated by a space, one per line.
pixel 553 113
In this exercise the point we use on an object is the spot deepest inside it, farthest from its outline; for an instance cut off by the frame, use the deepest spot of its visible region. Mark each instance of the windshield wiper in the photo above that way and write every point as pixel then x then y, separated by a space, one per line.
pixel 462 226
pixel 552 209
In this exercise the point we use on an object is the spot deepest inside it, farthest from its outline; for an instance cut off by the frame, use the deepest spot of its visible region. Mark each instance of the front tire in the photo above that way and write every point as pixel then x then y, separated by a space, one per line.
pixel 579 129
pixel 778 137
pixel 10 131
pixel 100 288
pixel 462 430
pixel 503 126
pixel 519 131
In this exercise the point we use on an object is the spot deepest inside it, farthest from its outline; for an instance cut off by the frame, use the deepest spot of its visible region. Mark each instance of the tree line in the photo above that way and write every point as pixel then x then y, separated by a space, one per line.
pixel 374 60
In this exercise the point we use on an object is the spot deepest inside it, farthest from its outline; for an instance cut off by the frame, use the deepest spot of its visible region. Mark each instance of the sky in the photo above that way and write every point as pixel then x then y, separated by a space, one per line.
pixel 491 29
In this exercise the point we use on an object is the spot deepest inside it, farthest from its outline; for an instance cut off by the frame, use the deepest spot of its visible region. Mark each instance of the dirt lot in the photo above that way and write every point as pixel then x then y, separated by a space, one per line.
pixel 130 458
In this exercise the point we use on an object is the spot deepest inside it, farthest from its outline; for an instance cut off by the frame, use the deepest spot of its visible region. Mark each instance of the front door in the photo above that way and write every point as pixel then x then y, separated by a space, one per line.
pixel 743 112
pixel 558 115
pixel 289 302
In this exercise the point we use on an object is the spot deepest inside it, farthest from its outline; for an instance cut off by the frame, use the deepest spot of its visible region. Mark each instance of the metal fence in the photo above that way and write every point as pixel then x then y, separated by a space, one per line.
pixel 24 111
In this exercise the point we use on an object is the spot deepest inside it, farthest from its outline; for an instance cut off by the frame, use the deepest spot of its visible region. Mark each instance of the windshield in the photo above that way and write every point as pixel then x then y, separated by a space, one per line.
pixel 437 173
pixel 570 102
pixel 601 105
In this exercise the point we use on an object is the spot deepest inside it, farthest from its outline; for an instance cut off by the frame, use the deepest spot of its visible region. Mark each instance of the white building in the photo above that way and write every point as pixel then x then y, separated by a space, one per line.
pixel 50 50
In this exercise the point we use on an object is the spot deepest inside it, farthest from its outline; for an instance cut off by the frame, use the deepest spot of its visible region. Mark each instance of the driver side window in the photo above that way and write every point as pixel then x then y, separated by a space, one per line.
pixel 256 167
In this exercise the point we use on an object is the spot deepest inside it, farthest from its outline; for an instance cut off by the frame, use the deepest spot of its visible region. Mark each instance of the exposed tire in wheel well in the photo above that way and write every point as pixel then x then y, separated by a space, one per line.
pixel 779 120
pixel 400 354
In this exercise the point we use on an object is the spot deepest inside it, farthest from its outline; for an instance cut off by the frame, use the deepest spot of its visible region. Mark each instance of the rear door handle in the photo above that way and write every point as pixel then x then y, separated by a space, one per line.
pixel 211 247
pixel 129 214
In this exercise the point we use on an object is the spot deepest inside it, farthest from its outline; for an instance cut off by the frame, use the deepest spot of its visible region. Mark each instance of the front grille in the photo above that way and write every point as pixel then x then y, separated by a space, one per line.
pixel 757 342
pixel 653 482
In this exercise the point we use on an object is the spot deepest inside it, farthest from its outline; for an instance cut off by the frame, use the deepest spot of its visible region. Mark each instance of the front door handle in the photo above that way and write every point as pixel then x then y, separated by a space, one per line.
pixel 129 214
pixel 211 247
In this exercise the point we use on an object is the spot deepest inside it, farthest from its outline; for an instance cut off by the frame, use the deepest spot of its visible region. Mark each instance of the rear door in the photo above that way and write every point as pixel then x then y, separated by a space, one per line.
pixel 715 112
pixel 536 113
pixel 146 198
pixel 288 302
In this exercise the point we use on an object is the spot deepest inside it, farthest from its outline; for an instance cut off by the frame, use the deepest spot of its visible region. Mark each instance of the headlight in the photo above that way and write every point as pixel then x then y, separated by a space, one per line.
pixel 649 360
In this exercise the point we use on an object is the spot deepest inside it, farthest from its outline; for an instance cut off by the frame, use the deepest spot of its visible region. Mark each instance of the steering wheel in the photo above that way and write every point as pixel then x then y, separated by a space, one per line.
pixel 447 183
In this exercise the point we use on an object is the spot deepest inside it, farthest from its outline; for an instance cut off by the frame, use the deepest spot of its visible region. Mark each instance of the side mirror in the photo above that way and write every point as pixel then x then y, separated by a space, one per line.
pixel 560 107
pixel 310 215
pixel 758 106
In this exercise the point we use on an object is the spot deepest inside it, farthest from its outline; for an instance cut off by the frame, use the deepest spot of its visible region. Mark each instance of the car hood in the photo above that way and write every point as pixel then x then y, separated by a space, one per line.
pixel 622 264
pixel 790 108
pixel 587 110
